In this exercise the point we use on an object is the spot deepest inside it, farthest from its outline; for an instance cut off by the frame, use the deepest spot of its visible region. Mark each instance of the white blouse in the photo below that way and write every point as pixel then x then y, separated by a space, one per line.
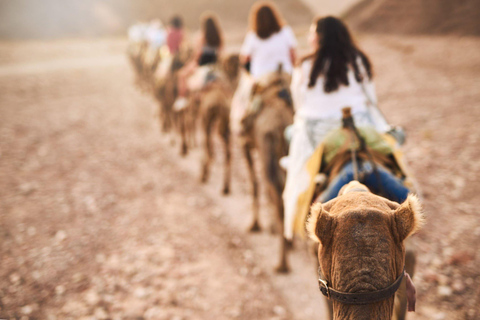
pixel 267 54
pixel 314 103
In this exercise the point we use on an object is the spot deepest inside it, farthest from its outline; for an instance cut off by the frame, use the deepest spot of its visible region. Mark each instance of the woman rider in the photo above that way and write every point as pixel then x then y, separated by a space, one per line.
pixel 336 75
pixel 207 50
pixel 268 43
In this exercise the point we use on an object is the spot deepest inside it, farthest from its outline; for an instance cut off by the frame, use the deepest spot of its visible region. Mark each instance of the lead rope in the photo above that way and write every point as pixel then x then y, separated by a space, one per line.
pixel 354 156
pixel 349 124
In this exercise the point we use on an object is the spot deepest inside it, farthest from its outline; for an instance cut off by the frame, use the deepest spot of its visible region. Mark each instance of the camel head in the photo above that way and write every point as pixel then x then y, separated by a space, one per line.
pixel 361 245
pixel 231 67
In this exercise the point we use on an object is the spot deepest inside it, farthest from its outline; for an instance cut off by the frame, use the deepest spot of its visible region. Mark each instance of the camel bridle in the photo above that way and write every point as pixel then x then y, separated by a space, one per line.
pixel 362 297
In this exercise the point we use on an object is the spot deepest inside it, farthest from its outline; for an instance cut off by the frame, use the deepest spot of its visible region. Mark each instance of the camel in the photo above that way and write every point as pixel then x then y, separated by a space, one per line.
pixel 361 249
pixel 211 106
pixel 263 130
pixel 214 106
pixel 151 61
pixel 164 86
pixel 136 53
pixel 396 165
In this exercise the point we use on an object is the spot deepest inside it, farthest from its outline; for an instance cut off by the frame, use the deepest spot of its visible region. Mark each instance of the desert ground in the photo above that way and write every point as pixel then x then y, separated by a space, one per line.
pixel 100 218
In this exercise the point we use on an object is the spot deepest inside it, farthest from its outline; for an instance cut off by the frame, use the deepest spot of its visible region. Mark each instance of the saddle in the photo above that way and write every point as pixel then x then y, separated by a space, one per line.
pixel 273 85
pixel 341 147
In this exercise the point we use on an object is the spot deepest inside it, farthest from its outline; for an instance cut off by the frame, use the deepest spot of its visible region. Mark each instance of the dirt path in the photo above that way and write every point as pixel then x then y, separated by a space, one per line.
pixel 99 215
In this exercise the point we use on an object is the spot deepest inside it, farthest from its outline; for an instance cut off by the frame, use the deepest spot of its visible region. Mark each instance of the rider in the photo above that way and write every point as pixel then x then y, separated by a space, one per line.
pixel 336 75
pixel 156 34
pixel 137 35
pixel 156 37
pixel 268 44
pixel 207 50
pixel 175 34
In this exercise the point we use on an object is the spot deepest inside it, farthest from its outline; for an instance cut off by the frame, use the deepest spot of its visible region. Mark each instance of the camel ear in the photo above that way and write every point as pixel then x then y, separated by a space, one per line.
pixel 320 223
pixel 409 217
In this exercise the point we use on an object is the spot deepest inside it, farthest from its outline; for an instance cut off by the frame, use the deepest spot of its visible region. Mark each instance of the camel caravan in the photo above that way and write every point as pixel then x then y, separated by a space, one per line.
pixel 330 163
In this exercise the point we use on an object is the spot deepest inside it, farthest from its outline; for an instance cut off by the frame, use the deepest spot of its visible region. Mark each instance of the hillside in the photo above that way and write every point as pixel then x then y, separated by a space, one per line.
pixel 32 19
pixel 461 17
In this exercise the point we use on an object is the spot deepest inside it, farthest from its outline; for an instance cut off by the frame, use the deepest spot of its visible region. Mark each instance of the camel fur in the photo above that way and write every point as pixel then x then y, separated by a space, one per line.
pixel 361 248
pixel 264 131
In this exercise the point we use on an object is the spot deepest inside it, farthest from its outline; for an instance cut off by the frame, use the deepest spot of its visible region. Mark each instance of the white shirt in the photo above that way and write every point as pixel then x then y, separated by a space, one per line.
pixel 314 103
pixel 267 54
pixel 138 32
pixel 156 37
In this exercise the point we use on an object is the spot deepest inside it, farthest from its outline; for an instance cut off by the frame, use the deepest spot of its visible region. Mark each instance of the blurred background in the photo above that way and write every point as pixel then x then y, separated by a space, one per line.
pixel 100 218
pixel 50 19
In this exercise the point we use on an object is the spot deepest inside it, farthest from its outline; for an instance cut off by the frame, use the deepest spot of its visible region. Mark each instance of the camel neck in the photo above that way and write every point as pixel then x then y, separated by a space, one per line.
pixel 382 310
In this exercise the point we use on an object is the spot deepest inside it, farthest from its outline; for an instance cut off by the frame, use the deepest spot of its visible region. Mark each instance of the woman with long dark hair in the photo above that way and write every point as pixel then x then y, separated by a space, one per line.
pixel 207 49
pixel 335 75
pixel 269 42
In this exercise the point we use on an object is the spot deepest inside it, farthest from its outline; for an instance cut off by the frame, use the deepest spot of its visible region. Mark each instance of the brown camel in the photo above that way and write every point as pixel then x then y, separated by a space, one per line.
pixel 151 60
pixel 212 106
pixel 263 130
pixel 361 249
pixel 136 52
pixel 165 89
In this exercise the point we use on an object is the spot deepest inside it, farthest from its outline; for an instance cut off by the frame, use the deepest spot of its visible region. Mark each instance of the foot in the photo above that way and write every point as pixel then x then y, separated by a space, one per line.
pixel 274 228
pixel 284 162
pixel 255 227
pixel 204 177
pixel 282 268
pixel 226 190
pixel 180 104
pixel 289 244
pixel 184 150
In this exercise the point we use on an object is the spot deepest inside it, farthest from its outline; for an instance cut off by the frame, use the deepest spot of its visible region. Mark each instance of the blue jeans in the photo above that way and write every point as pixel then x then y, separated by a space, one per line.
pixel 391 188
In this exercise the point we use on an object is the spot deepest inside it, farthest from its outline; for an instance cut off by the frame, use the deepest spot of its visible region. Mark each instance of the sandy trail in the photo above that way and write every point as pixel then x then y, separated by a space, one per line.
pixel 97 217
pixel 100 216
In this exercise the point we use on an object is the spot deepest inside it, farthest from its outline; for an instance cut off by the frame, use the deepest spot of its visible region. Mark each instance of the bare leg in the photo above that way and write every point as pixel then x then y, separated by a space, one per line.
pixel 182 84
pixel 183 75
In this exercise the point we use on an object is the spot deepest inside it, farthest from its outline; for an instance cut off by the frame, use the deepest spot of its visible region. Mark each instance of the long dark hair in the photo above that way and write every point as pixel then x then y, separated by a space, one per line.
pixel 265 19
pixel 336 52
pixel 211 31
